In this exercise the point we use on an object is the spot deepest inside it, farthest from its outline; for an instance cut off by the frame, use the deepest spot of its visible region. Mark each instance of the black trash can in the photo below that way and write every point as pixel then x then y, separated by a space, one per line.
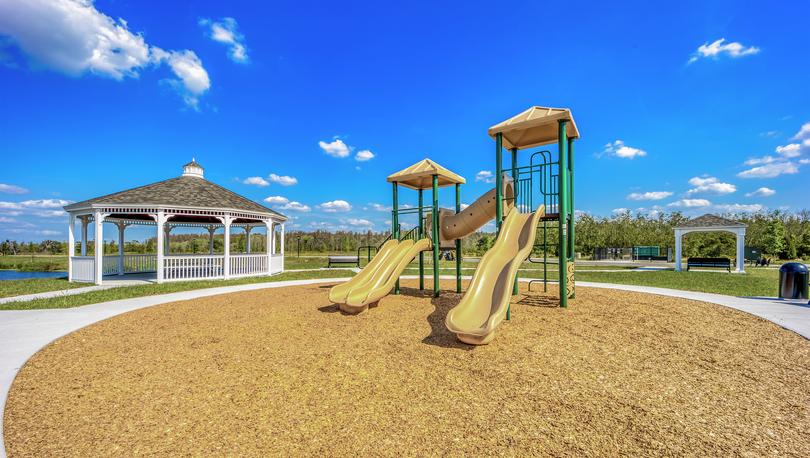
pixel 793 279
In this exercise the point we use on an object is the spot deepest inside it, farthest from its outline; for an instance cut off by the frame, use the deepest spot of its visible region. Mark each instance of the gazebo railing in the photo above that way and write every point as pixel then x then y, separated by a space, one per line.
pixel 133 263
pixel 83 268
pixel 193 267
pixel 243 265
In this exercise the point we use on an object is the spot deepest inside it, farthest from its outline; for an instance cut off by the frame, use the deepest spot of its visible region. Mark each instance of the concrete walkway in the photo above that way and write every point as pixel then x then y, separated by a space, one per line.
pixel 24 332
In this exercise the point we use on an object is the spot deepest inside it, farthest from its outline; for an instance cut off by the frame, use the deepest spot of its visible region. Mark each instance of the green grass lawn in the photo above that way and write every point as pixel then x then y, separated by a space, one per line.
pixel 127 292
pixel 10 288
pixel 35 263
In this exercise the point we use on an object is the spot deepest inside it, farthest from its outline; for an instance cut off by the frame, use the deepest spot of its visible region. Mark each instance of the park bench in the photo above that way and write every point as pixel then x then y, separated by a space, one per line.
pixel 724 263
pixel 344 260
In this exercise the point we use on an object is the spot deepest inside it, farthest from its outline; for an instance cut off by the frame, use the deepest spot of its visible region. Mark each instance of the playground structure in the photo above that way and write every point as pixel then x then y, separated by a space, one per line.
pixel 526 199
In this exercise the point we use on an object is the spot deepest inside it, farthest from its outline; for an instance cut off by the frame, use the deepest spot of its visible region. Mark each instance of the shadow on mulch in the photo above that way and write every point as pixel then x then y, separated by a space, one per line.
pixel 538 300
pixel 439 335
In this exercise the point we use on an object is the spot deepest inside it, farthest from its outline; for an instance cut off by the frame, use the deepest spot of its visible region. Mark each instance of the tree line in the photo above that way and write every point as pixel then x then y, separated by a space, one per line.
pixel 776 234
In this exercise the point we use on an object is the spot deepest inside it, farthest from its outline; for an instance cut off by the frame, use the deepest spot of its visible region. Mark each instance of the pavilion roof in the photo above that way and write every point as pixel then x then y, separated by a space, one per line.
pixel 710 220
pixel 182 191
pixel 420 176
pixel 534 127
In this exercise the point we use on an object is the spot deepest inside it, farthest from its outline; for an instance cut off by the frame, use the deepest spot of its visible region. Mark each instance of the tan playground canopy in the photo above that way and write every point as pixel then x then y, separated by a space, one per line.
pixel 534 127
pixel 420 176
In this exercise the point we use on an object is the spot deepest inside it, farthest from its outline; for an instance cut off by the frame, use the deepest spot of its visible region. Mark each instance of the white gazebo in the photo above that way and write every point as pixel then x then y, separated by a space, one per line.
pixel 185 201
pixel 711 223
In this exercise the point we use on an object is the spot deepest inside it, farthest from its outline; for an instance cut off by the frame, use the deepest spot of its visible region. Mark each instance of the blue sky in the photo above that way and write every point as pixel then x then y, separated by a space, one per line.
pixel 106 95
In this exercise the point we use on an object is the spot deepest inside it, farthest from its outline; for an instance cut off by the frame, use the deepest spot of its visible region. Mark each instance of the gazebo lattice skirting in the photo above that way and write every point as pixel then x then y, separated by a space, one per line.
pixel 198 199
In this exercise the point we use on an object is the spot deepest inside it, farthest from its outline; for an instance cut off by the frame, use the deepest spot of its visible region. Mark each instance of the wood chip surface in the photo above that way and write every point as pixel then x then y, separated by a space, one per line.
pixel 283 372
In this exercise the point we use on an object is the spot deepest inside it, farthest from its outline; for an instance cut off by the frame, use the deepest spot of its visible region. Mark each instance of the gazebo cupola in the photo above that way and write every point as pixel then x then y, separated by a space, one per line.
pixel 193 169
pixel 188 201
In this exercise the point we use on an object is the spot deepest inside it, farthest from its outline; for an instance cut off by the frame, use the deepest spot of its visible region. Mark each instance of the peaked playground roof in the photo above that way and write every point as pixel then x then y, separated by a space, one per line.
pixel 534 127
pixel 420 176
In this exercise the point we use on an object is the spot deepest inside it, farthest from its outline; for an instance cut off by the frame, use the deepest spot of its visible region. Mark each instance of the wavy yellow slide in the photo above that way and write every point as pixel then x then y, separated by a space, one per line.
pixel 339 293
pixel 381 281
pixel 484 305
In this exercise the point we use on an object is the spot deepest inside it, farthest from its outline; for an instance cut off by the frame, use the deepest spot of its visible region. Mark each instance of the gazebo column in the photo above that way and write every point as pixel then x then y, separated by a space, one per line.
pixel 84 235
pixel 247 236
pixel 168 230
pixel 268 246
pixel 283 231
pixel 740 250
pixel 121 228
pixel 226 221
pixel 98 221
pixel 71 248
pixel 211 230
pixel 678 249
pixel 160 218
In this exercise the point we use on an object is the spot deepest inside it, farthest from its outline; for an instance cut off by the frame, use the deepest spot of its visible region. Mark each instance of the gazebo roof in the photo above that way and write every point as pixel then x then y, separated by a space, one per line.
pixel 420 176
pixel 190 190
pixel 709 221
pixel 534 127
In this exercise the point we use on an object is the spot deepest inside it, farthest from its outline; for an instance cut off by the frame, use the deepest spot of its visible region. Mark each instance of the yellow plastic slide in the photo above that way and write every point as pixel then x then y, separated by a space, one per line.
pixel 339 293
pixel 379 283
pixel 484 305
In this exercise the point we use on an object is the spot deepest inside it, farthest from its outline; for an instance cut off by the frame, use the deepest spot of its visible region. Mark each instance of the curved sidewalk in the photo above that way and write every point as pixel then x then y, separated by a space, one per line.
pixel 24 332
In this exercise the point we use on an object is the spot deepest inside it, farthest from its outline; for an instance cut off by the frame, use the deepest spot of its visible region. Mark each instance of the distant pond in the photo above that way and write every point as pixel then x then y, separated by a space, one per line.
pixel 20 275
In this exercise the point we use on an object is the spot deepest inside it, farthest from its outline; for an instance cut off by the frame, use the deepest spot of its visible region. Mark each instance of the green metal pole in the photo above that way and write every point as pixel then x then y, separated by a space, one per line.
pixel 572 243
pixel 498 179
pixel 435 231
pixel 562 209
pixel 458 241
pixel 421 235
pixel 515 187
pixel 395 226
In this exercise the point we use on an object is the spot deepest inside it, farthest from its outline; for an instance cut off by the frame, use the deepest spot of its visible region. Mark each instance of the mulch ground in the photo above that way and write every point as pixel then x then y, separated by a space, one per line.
pixel 283 372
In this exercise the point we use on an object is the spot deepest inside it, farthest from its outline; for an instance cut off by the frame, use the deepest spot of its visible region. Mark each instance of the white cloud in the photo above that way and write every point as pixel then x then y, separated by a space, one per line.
pixel 690 203
pixel 3 219
pixel 256 181
pixel 803 133
pixel 51 214
pixel 770 170
pixel 283 180
pixel 48 232
pixel 804 161
pixel 10 206
pixel 45 203
pixel 761 160
pixel 721 47
pixel 620 150
pixel 463 206
pixel 789 151
pixel 226 31
pixel 710 185
pixel 621 211
pixel 761 192
pixel 380 207
pixel 335 148
pixel 73 37
pixel 740 208
pixel 296 206
pixel 651 195
pixel 358 222
pixel 486 176
pixel 335 206
pixel 364 155
pixel 12 189
pixel 276 200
